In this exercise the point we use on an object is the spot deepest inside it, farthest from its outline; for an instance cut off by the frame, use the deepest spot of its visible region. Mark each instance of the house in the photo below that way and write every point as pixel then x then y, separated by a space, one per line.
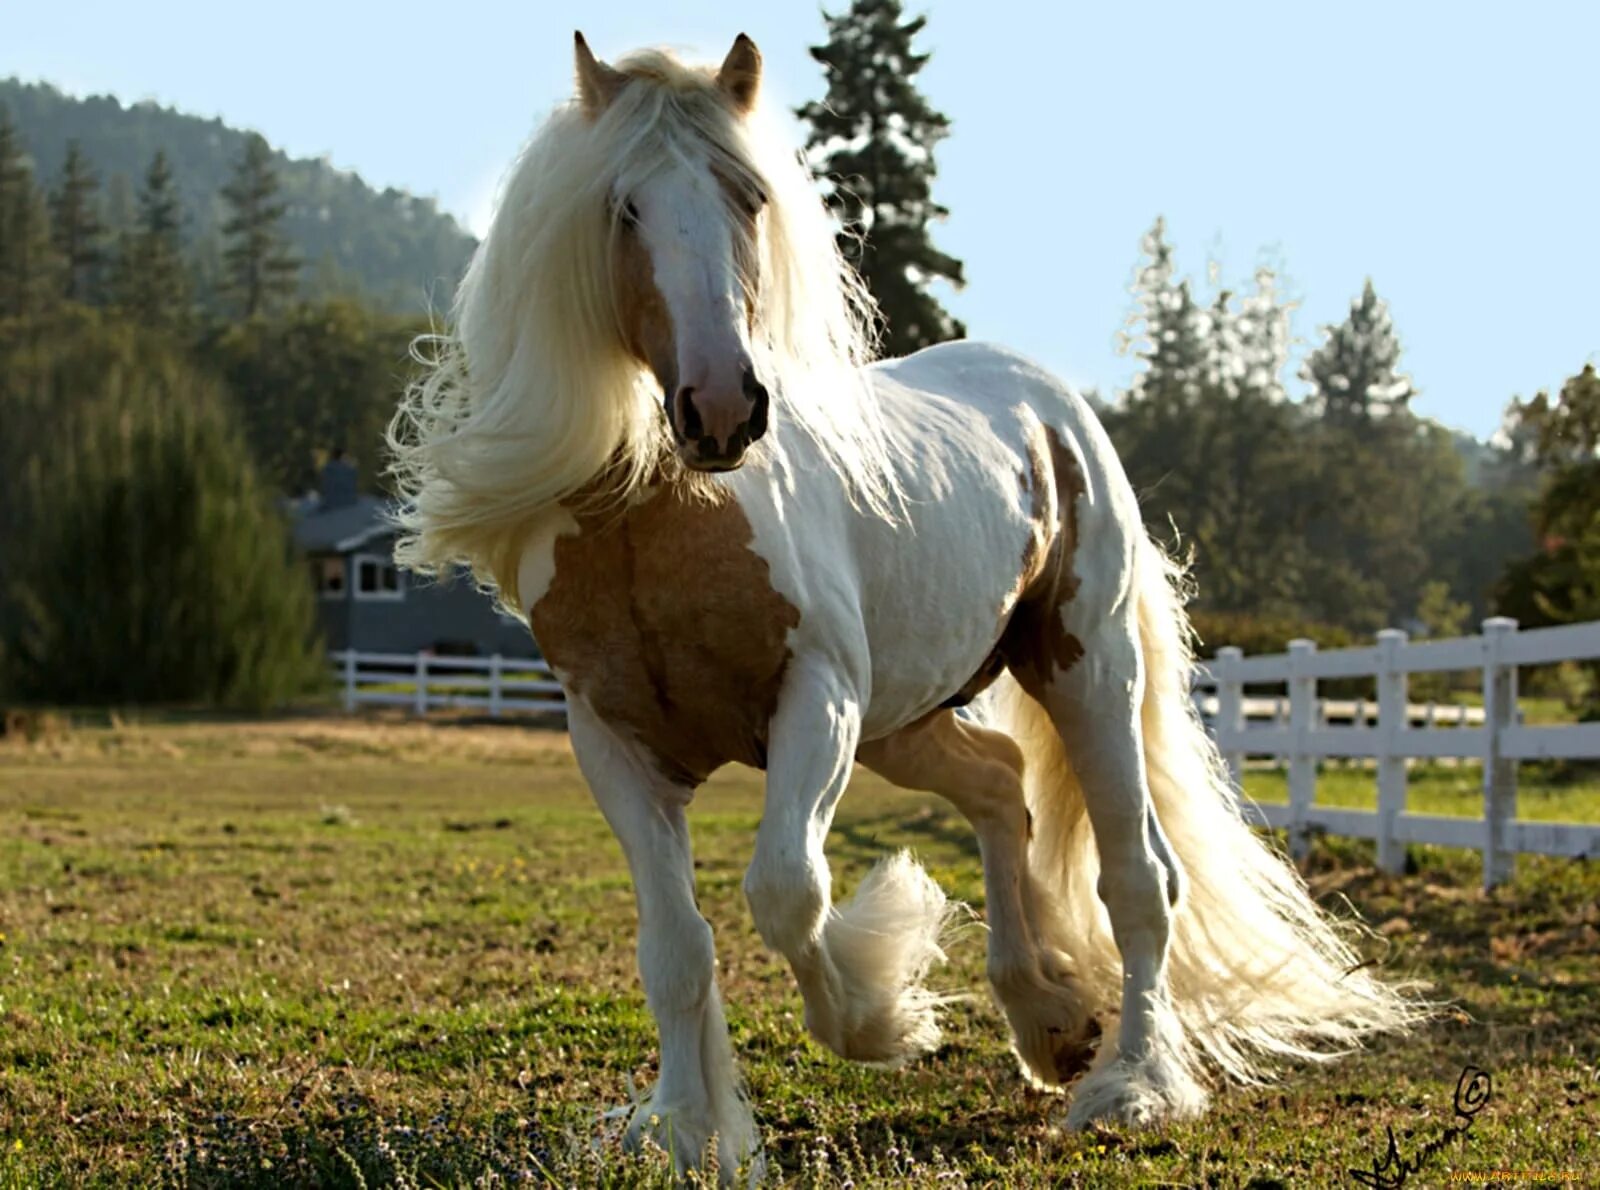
pixel 365 602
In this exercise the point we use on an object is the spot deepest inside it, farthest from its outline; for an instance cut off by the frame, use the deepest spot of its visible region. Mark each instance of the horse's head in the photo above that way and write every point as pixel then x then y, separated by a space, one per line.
pixel 686 266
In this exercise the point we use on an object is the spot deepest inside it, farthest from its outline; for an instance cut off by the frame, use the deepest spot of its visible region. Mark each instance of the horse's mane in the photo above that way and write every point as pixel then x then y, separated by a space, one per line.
pixel 533 396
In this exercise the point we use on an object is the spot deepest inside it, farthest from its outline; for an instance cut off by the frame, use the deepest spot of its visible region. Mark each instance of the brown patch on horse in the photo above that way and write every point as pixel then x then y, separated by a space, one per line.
pixel 1035 644
pixel 1042 520
pixel 642 313
pixel 665 620
pixel 643 317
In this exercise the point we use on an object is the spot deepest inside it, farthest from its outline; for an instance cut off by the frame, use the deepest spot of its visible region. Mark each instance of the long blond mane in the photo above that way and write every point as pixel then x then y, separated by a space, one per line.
pixel 533 395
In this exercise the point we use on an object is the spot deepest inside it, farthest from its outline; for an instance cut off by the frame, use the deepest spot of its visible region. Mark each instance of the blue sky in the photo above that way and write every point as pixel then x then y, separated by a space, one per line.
pixel 1448 150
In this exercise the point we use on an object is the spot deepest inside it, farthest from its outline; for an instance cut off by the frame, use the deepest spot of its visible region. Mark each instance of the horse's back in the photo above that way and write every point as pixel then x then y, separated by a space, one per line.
pixel 1019 398
pixel 988 375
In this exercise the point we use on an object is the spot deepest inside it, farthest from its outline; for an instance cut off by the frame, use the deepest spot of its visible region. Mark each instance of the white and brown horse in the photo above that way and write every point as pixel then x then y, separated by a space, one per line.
pixel 651 432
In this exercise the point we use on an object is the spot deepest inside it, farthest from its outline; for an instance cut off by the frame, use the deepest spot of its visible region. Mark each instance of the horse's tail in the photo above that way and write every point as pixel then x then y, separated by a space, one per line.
pixel 1257 971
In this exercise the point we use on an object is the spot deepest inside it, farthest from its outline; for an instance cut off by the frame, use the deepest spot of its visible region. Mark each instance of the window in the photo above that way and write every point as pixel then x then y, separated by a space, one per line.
pixel 327 575
pixel 377 578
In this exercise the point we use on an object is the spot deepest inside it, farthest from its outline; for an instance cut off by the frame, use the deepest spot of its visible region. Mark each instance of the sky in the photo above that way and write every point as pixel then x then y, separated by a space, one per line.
pixel 1448 151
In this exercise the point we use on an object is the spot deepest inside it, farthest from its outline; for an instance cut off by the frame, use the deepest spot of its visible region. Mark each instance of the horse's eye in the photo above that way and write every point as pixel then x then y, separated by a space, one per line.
pixel 630 215
pixel 758 199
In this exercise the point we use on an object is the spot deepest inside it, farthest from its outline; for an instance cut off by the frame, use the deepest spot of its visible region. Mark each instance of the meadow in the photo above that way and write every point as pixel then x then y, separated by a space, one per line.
pixel 329 951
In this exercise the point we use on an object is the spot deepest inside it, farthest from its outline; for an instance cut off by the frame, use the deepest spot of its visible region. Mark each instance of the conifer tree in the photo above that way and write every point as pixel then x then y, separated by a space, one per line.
pixel 1384 472
pixel 1167 332
pixel 76 226
pixel 151 280
pixel 259 265
pixel 874 137
pixel 27 258
pixel 1355 374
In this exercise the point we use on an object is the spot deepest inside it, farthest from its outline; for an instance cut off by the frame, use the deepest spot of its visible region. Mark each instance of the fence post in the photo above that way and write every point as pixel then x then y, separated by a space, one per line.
pixel 1230 712
pixel 349 679
pixel 1302 764
pixel 494 686
pixel 1499 774
pixel 1391 762
pixel 421 704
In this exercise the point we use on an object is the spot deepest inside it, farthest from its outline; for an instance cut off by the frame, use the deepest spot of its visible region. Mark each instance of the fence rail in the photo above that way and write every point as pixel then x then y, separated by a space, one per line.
pixel 1499 740
pixel 424 682
pixel 1299 729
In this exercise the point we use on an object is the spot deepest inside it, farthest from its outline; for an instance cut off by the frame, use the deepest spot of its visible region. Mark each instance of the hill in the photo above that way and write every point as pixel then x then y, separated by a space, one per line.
pixel 392 248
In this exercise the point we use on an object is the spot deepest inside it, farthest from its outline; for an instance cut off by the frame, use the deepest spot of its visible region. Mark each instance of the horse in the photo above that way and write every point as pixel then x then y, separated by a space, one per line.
pixel 652 429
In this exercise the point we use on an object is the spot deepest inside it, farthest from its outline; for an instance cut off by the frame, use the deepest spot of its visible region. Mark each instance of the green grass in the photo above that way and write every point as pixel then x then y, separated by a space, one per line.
pixel 1543 794
pixel 341 953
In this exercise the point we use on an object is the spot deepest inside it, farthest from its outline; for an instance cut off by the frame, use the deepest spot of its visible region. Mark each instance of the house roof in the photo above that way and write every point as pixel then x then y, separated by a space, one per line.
pixel 345 528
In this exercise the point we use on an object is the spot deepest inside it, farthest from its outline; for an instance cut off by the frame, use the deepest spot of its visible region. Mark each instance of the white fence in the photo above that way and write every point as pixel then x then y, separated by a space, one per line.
pixel 1301 729
pixel 1499 741
pixel 1352 712
pixel 423 681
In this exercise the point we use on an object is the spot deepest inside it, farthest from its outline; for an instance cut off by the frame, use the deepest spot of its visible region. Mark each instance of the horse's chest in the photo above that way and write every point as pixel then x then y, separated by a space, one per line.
pixel 666 622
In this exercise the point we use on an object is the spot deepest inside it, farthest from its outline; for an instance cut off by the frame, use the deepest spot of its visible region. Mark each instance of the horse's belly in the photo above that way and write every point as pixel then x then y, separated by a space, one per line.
pixel 928 657
pixel 938 609
pixel 667 624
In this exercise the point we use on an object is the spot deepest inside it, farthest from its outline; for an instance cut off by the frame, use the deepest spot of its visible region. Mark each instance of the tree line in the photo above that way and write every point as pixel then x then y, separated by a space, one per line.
pixel 56 245
pixel 391 249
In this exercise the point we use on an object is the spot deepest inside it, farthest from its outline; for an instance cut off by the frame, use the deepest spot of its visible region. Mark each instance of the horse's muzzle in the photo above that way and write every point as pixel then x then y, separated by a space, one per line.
pixel 714 429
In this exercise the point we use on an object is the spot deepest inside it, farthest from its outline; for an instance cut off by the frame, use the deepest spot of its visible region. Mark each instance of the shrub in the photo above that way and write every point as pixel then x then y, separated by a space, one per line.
pixel 147 563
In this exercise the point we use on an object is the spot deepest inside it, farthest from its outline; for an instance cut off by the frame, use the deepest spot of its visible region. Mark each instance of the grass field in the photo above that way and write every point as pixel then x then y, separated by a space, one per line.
pixel 333 952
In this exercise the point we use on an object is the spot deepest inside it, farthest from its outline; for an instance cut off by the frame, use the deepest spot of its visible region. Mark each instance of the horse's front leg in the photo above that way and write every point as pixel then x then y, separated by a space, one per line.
pixel 697 1095
pixel 860 965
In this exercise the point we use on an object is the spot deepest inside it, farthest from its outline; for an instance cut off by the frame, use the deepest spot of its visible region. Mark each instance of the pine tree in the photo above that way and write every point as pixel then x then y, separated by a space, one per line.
pixel 151 280
pixel 1167 332
pixel 1387 477
pixel 1355 374
pixel 77 228
pixel 28 265
pixel 260 268
pixel 876 134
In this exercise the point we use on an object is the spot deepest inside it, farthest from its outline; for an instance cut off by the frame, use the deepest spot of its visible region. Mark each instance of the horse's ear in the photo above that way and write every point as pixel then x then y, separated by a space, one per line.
pixel 740 75
pixel 598 84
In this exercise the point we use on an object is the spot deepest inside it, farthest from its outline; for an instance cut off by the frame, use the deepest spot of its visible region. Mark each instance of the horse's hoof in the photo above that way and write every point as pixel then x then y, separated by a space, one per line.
pixel 687 1139
pixel 1137 1093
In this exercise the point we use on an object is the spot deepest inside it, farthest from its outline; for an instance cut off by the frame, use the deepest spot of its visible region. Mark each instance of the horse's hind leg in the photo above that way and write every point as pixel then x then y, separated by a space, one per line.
pixel 860 965
pixel 979 770
pixel 1095 703
pixel 698 1094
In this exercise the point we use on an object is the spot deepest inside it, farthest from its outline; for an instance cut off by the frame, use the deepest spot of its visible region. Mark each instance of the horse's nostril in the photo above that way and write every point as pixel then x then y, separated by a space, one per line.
pixel 757 425
pixel 690 424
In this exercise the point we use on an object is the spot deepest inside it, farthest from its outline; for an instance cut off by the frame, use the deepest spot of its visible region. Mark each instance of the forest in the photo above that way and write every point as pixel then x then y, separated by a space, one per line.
pixel 388 248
